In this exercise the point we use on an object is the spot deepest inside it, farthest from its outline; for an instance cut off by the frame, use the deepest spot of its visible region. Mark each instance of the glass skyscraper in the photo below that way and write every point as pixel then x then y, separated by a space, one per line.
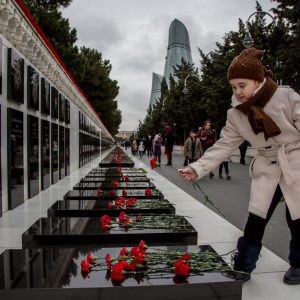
pixel 178 49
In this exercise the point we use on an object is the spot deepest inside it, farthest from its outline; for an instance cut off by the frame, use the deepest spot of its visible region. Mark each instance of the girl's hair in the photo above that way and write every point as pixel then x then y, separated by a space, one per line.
pixel 207 121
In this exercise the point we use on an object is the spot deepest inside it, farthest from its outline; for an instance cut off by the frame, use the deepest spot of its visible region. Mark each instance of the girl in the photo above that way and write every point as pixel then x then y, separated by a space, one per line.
pixel 268 117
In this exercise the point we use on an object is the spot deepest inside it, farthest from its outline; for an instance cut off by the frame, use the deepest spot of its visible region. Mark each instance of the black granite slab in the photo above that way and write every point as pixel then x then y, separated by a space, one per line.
pixel 70 232
pixel 107 164
pixel 55 273
pixel 108 185
pixel 94 208
pixel 114 169
pixel 104 179
pixel 115 172
pixel 105 195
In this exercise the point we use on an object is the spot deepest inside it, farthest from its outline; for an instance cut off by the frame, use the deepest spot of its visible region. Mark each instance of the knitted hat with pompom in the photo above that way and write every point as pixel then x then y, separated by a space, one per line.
pixel 247 65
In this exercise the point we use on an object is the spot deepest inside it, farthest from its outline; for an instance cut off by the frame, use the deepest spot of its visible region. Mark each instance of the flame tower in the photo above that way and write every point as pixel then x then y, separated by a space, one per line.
pixel 178 47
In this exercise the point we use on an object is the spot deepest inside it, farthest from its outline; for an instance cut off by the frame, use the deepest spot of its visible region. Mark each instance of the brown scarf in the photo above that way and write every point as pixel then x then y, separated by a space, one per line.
pixel 253 108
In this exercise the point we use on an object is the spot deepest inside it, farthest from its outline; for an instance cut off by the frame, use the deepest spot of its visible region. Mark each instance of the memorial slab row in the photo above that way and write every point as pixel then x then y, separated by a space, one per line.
pixel 81 250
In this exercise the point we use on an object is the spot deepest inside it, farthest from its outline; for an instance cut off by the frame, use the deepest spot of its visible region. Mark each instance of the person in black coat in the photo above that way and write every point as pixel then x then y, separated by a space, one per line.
pixel 169 142
pixel 243 149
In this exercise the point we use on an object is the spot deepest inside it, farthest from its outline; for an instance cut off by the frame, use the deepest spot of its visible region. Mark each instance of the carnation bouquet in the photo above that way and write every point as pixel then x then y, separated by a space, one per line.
pixel 144 262
pixel 141 222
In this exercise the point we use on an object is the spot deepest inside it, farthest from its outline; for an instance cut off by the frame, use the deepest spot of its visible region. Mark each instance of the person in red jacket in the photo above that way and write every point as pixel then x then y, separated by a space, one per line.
pixel 207 137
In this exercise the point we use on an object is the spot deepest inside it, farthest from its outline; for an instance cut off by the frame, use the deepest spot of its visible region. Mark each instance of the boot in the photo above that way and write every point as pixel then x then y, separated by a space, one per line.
pixel 228 176
pixel 245 258
pixel 220 175
pixel 211 174
pixel 292 276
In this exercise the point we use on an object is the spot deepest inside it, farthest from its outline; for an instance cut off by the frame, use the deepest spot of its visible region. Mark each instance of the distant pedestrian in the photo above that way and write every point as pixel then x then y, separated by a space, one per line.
pixel 127 144
pixel 207 137
pixel 141 149
pixel 225 165
pixel 192 148
pixel 168 142
pixel 149 145
pixel 243 149
pixel 157 148
pixel 134 147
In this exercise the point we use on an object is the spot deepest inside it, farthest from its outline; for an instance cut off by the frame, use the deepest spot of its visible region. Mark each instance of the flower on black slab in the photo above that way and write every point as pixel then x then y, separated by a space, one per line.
pixel 124 177
pixel 141 261
pixel 148 191
pixel 181 268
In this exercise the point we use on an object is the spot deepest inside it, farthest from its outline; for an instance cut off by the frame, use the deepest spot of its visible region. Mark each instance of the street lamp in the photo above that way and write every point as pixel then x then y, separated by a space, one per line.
pixel 163 103
pixel 185 89
pixel 248 41
pixel 152 111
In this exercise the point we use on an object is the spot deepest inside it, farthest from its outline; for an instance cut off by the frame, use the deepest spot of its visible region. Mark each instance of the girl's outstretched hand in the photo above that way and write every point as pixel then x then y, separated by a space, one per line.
pixel 187 173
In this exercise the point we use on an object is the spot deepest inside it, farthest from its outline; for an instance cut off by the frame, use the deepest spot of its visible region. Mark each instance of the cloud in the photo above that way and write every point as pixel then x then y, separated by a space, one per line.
pixel 133 36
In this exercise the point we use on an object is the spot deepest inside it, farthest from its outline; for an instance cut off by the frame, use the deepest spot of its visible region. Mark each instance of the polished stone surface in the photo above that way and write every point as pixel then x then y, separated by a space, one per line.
pixel 108 186
pixel 104 179
pixel 71 231
pixel 38 273
pixel 87 208
pixel 266 281
pixel 108 195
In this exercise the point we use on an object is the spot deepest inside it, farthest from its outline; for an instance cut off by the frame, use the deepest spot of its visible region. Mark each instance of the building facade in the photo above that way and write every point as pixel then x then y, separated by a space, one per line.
pixel 155 89
pixel 48 127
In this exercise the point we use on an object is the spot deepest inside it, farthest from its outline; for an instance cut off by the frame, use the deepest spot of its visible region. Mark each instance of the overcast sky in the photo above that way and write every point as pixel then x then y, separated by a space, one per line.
pixel 133 36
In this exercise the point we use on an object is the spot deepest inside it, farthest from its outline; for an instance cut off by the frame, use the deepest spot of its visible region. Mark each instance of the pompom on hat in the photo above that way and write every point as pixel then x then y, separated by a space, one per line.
pixel 247 65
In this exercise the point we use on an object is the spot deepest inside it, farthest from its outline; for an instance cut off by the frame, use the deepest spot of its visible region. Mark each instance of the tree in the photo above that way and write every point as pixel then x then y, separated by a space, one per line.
pixel 100 89
pixel 211 96
pixel 288 26
pixel 86 65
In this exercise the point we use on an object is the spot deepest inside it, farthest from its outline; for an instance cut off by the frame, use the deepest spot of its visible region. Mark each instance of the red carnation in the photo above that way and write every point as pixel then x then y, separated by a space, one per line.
pixel 124 192
pixel 123 252
pixel 117 271
pixel 108 260
pixel 90 259
pixel 153 162
pixel 105 219
pixel 85 266
pixel 148 191
pixel 185 256
pixel 181 268
pixel 121 216
pixel 114 183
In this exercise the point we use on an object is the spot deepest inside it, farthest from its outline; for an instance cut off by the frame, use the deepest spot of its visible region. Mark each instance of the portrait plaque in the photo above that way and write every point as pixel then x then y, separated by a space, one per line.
pixel 15 160
pixel 15 76
pixel 33 155
pixel 33 87
pixel 61 152
pixel 45 154
pixel 54 152
pixel 45 96
pixel 54 103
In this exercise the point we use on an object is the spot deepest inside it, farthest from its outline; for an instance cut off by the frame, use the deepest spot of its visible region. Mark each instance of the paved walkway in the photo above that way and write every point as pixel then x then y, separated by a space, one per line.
pixel 231 197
